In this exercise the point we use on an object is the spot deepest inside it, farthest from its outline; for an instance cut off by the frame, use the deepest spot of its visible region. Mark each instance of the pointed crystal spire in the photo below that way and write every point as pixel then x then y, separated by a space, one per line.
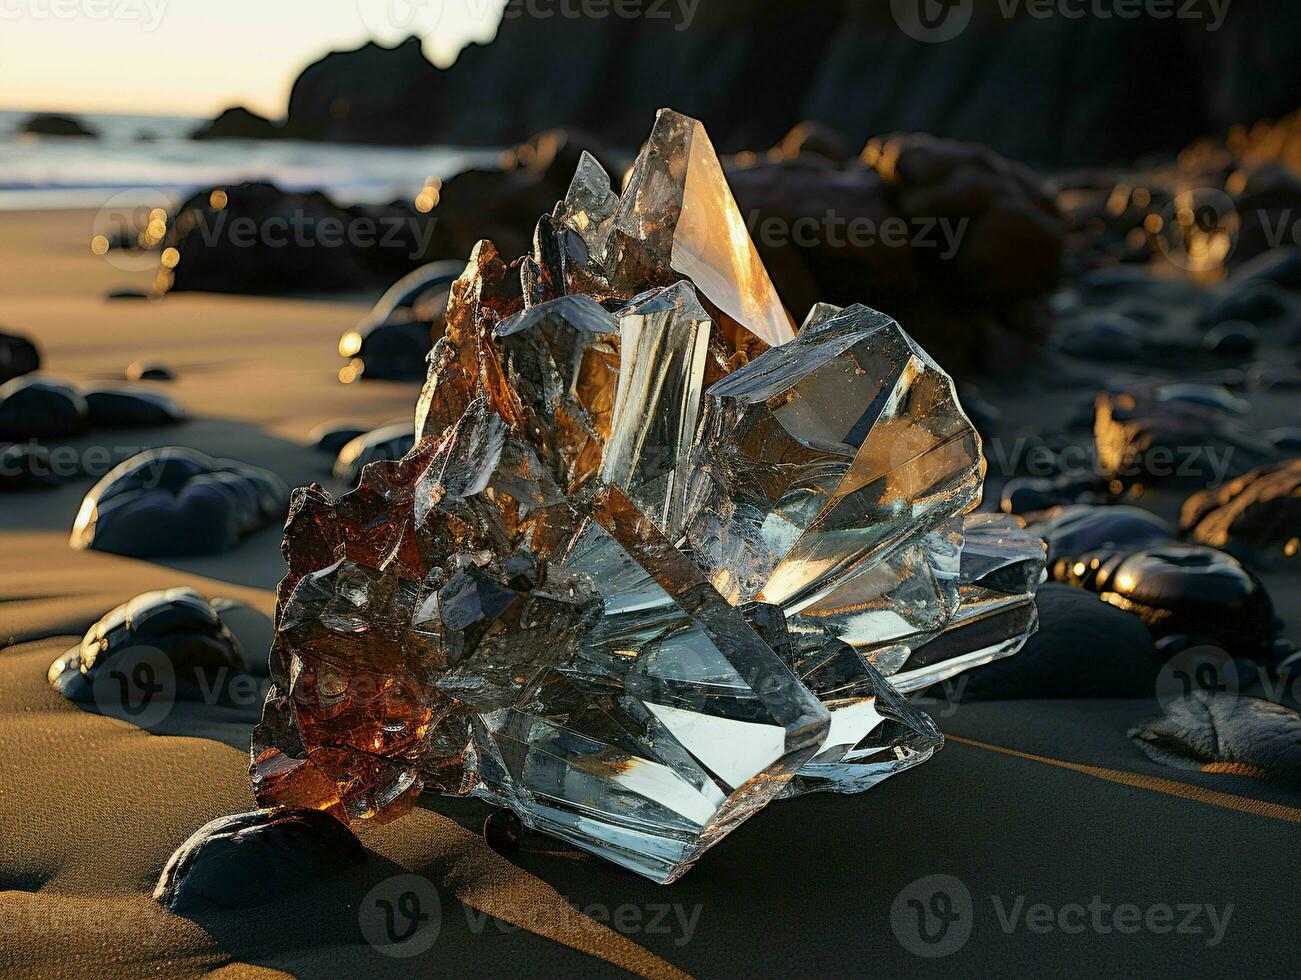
pixel 664 335
pixel 678 215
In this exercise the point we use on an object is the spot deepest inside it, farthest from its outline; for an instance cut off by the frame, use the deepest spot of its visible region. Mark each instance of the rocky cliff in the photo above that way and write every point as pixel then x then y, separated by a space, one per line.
pixel 1051 90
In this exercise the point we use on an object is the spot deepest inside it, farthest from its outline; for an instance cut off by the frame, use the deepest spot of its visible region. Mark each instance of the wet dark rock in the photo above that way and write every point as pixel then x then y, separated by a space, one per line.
pixel 319 246
pixel 237 123
pixel 1177 437
pixel 503 830
pixel 18 356
pixel 1084 648
pixel 249 859
pixel 1233 338
pixel 1076 529
pixel 984 416
pixel 178 624
pixel 387 442
pixel 372 94
pixel 1261 509
pixel 1144 311
pixel 1209 395
pixel 33 407
pixel 847 65
pixel 1286 438
pixel 814 139
pixel 1025 495
pixel 50 124
pixel 961 243
pixel 1102 336
pixel 149 371
pixel 1247 736
pixel 330 437
pixel 1257 302
pixel 252 629
pixel 174 501
pixel 1178 589
pixel 392 341
pixel 26 466
pixel 1123 283
pixel 1281 266
pixel 130 408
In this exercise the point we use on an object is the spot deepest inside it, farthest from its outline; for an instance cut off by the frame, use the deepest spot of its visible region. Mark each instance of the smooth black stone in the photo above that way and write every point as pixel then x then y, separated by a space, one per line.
pixel 1207 395
pixel 1287 439
pixel 149 371
pixel 37 408
pixel 178 623
pixel 1257 302
pixel 250 859
pixel 388 442
pixel 1102 336
pixel 1084 648
pixel 1076 529
pixel 26 466
pixel 395 351
pixel 1233 338
pixel 1259 510
pixel 174 501
pixel 252 630
pixel 1179 589
pixel 1122 283
pixel 330 437
pixel 503 830
pixel 1281 266
pixel 393 340
pixel 1026 495
pixel 1144 311
pixel 18 356
pixel 126 408
pixel 1205 728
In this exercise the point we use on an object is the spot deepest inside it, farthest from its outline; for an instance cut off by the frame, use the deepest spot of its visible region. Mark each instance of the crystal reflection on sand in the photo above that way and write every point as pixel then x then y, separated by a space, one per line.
pixel 652 556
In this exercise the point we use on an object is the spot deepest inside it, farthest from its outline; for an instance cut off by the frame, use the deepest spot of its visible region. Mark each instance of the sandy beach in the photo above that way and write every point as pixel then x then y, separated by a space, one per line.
pixel 1047 802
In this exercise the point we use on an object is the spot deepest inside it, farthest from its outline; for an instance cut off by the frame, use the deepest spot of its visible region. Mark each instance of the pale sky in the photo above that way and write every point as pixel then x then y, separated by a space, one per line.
pixel 195 57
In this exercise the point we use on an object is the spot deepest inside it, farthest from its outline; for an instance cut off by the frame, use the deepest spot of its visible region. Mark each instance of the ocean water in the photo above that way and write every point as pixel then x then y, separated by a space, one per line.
pixel 154 154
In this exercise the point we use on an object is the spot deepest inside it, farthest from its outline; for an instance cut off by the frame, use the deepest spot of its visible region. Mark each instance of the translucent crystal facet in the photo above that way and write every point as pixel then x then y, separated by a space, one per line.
pixel 653 561
pixel 678 215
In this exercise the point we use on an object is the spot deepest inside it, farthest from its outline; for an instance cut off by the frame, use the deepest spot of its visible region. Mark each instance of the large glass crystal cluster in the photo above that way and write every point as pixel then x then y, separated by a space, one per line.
pixel 655 554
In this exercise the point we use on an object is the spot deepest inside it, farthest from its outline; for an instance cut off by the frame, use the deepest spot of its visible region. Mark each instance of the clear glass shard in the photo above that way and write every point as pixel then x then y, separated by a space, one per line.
pixel 677 215
pixel 673 721
pixel 664 339
pixel 1002 566
pixel 633 610
pixel 821 458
